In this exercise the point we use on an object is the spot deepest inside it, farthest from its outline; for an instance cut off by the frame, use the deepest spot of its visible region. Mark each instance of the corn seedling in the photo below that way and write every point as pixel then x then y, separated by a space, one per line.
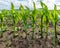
pixel 54 20
pixel 55 23
pixel 5 12
pixel 47 20
pixel 24 16
pixel 44 18
pixel 33 19
pixel 1 23
pixel 15 17
pixel 42 14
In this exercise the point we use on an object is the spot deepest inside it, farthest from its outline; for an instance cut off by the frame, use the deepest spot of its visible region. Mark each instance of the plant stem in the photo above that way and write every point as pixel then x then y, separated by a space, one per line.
pixel 14 28
pixel 47 23
pixel 55 35
pixel 32 31
pixel 1 32
pixel 46 31
pixel 41 28
pixel 26 35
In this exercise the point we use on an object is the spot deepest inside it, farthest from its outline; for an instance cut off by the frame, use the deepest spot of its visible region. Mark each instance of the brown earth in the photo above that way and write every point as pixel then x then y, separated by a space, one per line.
pixel 20 41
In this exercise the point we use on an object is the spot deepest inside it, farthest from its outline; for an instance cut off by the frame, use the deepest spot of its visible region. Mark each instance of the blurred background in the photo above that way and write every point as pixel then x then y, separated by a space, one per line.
pixel 6 4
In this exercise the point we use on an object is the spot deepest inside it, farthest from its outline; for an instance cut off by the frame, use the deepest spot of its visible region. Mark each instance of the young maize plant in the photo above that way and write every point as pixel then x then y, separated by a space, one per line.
pixel 24 16
pixel 5 13
pixel 33 19
pixel 41 16
pixel 1 23
pixel 46 23
pixel 47 20
pixel 55 23
pixel 54 20
pixel 44 17
pixel 15 17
